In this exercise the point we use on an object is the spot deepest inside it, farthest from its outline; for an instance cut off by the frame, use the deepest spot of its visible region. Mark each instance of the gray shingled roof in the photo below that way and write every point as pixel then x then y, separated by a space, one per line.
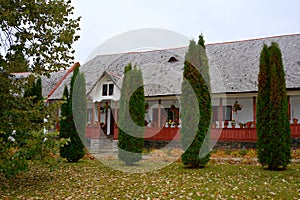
pixel 234 67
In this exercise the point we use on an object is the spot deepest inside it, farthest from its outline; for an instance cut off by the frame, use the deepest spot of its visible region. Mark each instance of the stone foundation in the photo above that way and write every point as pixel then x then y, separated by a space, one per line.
pixel 150 144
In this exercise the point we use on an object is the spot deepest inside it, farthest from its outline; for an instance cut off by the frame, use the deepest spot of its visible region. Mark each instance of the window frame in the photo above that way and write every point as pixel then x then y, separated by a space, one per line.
pixel 104 89
pixel 108 89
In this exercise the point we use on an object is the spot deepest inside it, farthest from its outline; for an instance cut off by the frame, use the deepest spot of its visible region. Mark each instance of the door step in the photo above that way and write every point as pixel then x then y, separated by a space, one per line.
pixel 102 145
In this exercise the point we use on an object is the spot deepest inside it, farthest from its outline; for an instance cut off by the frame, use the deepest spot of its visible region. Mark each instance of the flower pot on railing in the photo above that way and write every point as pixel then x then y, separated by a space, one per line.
pixel 295 121
pixel 241 125
pixel 226 123
pixel 233 123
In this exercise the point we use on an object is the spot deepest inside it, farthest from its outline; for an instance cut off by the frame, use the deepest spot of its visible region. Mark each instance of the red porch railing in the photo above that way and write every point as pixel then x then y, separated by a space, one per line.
pixel 157 133
pixel 234 134
pixel 226 134
pixel 295 130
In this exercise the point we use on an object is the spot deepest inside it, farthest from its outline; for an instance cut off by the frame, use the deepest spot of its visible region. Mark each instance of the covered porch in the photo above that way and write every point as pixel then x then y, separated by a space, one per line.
pixel 162 122
pixel 221 134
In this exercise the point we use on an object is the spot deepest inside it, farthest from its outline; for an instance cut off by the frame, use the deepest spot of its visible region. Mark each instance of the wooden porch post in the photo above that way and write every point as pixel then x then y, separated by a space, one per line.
pixel 93 114
pixel 254 111
pixel 99 113
pixel 116 112
pixel 106 110
pixel 220 113
pixel 159 113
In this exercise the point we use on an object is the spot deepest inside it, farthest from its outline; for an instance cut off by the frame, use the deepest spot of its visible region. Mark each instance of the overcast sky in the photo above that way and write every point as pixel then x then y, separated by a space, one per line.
pixel 218 20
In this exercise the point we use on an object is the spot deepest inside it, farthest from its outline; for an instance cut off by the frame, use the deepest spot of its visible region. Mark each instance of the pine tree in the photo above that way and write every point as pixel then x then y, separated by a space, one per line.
pixel 74 150
pixel 273 128
pixel 131 117
pixel 195 106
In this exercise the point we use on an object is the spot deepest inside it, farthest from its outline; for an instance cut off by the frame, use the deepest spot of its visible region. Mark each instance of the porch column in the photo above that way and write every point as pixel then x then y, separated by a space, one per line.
pixel 93 114
pixel 220 112
pixel 159 114
pixel 99 113
pixel 254 111
pixel 116 113
pixel 106 110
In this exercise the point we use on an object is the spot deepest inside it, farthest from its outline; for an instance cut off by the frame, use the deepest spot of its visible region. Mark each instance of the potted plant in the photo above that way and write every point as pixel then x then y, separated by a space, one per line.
pixel 295 121
pixel 213 124
pixel 233 123
pixel 170 123
pixel 241 125
pixel 249 124
pixel 226 124
pixel 236 107
pixel 176 122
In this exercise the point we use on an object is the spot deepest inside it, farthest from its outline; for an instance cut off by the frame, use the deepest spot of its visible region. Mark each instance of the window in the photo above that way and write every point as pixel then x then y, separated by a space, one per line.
pixel 227 113
pixel 173 114
pixel 166 115
pixel 111 89
pixel 107 89
pixel 226 110
pixel 104 90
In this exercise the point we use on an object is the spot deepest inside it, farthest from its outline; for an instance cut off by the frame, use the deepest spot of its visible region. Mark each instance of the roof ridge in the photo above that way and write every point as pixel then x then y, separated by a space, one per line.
pixel 138 52
pixel 209 44
pixel 254 39
pixel 63 78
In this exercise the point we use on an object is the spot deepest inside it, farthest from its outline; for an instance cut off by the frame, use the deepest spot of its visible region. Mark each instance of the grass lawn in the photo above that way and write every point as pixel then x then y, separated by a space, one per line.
pixel 92 180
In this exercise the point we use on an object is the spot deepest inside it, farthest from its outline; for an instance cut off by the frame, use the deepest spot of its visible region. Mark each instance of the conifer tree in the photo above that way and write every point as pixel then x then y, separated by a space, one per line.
pixel 273 127
pixel 79 105
pixel 74 150
pixel 263 106
pixel 131 117
pixel 195 106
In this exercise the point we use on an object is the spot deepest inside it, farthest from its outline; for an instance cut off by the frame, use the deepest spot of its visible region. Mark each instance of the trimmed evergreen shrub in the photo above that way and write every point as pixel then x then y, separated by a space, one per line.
pixel 131 117
pixel 74 150
pixel 79 105
pixel 263 106
pixel 195 106
pixel 273 126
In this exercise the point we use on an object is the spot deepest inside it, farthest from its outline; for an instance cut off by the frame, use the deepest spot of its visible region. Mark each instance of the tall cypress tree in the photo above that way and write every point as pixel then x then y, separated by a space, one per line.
pixel 195 106
pixel 280 143
pixel 263 106
pixel 79 105
pixel 74 150
pixel 273 129
pixel 64 122
pixel 131 117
